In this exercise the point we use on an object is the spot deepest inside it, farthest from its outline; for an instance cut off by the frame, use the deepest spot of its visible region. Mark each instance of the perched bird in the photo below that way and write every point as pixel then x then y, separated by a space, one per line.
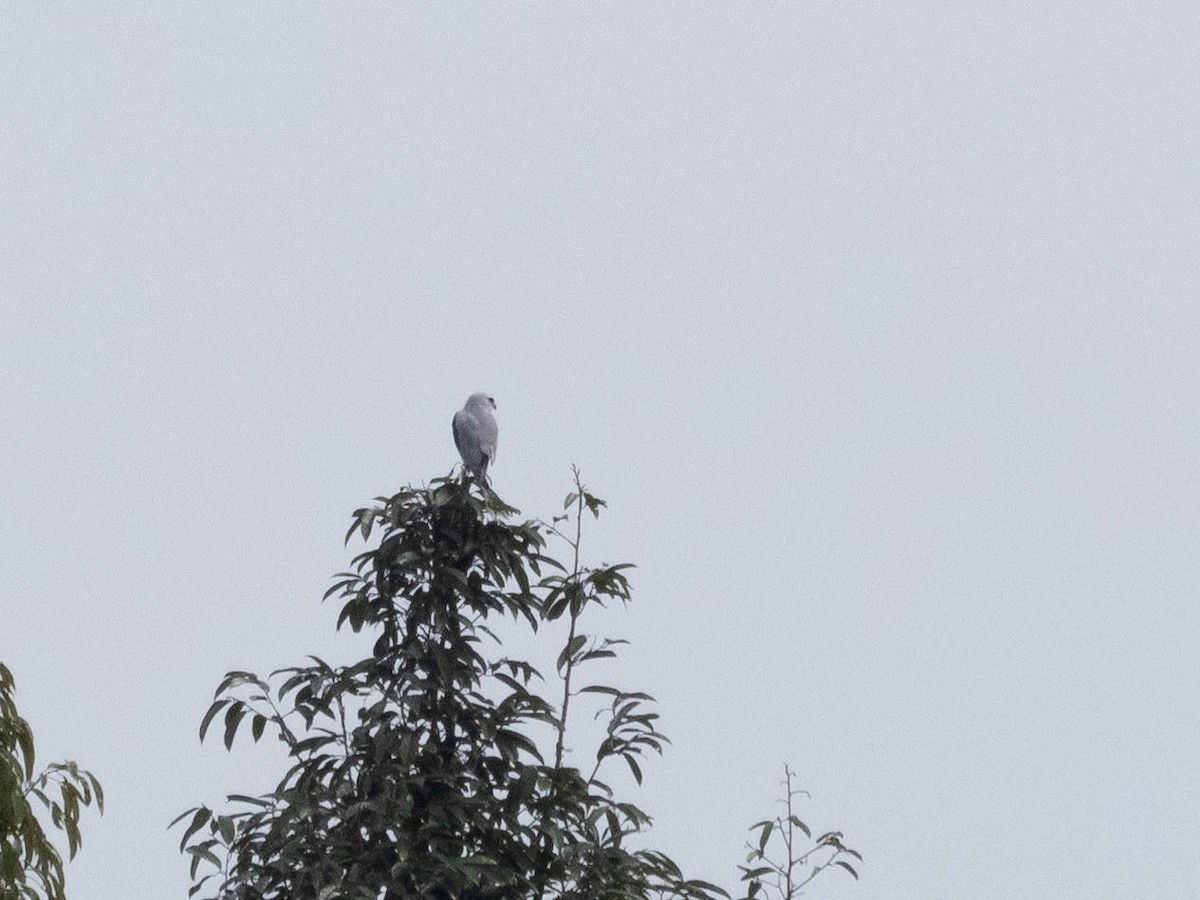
pixel 475 433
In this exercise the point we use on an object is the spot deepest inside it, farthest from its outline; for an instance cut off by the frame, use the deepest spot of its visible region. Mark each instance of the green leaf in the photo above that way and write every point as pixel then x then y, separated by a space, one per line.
pixel 748 874
pixel 233 718
pixel 254 801
pixel 634 767
pixel 209 716
pixel 845 865
pixel 201 816
pixel 765 836
pixel 510 740
pixel 98 791
pixel 593 504
pixel 569 650
pixel 183 815
pixel 522 579
pixel 25 741
pixel 203 853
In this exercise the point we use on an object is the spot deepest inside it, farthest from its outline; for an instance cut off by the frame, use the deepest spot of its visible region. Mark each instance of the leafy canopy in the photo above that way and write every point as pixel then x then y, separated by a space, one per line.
pixel 435 767
pixel 31 868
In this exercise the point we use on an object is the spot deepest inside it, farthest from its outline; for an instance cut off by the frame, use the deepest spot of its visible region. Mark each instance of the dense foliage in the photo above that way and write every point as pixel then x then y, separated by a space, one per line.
pixel 31 868
pixel 435 767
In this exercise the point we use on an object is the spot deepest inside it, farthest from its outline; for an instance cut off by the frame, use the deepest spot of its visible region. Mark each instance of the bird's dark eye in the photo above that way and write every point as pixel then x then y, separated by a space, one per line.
pixel 492 401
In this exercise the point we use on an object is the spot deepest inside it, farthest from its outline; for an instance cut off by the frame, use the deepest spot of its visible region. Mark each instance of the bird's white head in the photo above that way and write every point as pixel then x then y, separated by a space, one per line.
pixel 480 400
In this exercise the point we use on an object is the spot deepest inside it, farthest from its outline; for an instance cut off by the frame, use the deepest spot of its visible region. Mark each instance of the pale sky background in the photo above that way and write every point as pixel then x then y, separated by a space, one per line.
pixel 876 325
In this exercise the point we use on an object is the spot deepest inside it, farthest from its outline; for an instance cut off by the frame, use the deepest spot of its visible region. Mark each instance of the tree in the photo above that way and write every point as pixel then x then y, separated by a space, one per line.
pixel 787 877
pixel 435 767
pixel 31 867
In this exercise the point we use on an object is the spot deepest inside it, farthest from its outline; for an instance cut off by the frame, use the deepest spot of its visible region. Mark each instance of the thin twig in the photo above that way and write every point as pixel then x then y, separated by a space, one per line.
pixel 562 722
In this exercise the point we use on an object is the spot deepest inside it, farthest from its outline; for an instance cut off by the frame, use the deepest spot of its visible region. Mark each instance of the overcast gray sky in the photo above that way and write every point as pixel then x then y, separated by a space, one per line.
pixel 876 324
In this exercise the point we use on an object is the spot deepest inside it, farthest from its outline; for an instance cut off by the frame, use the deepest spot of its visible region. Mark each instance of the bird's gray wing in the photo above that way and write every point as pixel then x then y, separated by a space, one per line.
pixel 457 426
pixel 466 438
pixel 489 434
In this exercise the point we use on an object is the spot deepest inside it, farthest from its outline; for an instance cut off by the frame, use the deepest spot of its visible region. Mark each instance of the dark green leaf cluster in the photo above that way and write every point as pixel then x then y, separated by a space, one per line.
pixel 30 866
pixel 422 770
